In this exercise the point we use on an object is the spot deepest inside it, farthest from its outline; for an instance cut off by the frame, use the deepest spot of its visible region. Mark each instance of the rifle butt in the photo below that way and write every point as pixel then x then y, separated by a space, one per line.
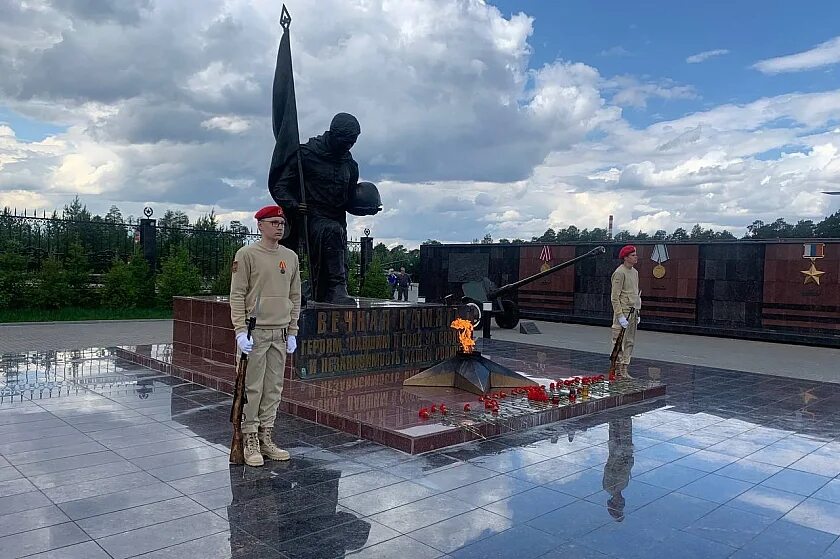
pixel 237 452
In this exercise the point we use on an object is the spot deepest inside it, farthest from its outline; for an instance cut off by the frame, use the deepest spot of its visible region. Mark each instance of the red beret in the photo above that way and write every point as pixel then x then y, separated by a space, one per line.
pixel 269 212
pixel 626 251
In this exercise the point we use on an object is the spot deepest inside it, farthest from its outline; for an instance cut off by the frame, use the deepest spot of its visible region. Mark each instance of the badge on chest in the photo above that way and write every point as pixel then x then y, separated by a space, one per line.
pixel 282 266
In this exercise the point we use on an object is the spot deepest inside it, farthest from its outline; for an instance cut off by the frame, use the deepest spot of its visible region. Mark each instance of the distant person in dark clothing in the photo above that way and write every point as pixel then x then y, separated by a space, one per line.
pixel 403 285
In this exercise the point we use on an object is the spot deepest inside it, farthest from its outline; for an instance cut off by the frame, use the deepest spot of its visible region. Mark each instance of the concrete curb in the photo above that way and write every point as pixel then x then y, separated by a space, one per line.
pixel 75 322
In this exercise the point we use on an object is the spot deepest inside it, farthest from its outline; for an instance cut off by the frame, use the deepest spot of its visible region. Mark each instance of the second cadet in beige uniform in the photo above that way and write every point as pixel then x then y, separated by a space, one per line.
pixel 624 295
pixel 265 282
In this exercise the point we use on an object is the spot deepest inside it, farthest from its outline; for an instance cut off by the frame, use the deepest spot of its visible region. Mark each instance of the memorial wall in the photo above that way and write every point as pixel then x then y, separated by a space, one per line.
pixel 787 291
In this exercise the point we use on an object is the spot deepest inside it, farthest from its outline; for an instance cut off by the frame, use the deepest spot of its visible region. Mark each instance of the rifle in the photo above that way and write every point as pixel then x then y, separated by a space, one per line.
pixel 240 398
pixel 619 343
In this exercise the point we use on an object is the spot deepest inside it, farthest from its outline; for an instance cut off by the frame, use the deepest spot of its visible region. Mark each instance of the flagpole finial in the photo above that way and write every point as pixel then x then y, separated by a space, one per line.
pixel 285 18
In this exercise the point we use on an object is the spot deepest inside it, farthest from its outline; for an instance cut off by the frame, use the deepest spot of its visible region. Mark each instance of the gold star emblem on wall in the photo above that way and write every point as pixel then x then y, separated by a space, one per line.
pixel 812 275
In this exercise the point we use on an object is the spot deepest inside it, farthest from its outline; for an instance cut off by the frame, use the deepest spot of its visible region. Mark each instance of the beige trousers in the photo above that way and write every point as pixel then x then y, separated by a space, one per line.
pixel 264 379
pixel 629 341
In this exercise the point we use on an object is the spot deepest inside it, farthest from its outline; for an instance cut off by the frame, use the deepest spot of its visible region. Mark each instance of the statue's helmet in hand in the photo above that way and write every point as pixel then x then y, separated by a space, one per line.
pixel 364 200
pixel 344 131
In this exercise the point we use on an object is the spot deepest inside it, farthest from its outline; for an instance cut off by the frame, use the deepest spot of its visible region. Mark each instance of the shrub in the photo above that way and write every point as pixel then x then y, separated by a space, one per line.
pixel 53 289
pixel 353 275
pixel 142 281
pixel 78 271
pixel 119 290
pixel 177 277
pixel 129 285
pixel 375 284
pixel 13 277
pixel 221 283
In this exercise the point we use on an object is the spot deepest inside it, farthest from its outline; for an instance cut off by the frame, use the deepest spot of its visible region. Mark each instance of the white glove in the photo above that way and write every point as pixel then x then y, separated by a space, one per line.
pixel 623 321
pixel 638 320
pixel 291 344
pixel 245 345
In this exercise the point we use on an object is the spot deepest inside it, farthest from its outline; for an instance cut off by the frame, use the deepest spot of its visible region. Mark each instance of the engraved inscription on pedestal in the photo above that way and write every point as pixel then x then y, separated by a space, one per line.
pixel 353 341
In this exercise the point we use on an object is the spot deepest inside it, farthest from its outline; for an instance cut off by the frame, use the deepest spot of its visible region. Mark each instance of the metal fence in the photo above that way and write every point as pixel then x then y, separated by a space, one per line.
pixel 38 238
pixel 102 242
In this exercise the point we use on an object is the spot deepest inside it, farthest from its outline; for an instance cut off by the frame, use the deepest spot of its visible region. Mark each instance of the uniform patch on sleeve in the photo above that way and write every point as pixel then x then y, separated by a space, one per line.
pixel 234 267
pixel 282 266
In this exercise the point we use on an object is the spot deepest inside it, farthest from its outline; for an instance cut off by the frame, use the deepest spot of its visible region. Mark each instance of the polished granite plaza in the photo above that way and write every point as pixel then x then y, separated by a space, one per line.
pixel 103 458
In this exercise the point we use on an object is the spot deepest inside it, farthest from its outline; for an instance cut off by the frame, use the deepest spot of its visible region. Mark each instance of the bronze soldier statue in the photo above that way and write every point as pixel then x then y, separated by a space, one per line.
pixel 332 188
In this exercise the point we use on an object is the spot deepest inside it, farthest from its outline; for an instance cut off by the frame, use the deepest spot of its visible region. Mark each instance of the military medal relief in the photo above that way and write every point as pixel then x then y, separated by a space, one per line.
pixel 347 341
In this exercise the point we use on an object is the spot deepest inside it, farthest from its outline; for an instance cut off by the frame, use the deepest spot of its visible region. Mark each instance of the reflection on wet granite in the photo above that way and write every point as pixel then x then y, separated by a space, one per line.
pixel 100 457
pixel 377 406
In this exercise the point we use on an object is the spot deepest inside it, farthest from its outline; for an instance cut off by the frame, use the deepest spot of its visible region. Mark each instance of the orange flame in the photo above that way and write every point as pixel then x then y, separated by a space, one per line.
pixel 465 334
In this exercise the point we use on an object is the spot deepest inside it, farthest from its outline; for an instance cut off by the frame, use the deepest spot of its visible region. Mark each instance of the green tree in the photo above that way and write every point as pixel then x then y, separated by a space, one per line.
pixel 570 233
pixel 53 289
pixel 238 231
pixel 177 276
pixel 142 280
pixel 114 215
pixel 597 234
pixel 13 276
pixel 549 236
pixel 208 222
pixel 829 228
pixel 118 289
pixel 700 234
pixel 76 211
pixel 804 229
pixel 487 240
pixel 381 252
pixel 375 285
pixel 77 270
pixel 679 234
pixel 353 266
pixel 174 219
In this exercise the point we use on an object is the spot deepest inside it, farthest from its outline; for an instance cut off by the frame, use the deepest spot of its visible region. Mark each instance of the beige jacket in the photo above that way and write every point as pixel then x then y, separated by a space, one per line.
pixel 274 275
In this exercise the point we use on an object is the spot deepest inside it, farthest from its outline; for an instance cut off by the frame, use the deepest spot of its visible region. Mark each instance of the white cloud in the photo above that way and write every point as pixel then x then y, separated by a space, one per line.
pixel 824 54
pixel 229 123
pixel 705 55
pixel 617 50
pixel 460 132
pixel 631 92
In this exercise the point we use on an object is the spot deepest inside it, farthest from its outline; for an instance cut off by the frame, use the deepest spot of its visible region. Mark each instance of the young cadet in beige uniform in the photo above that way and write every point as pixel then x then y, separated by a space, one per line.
pixel 265 279
pixel 625 294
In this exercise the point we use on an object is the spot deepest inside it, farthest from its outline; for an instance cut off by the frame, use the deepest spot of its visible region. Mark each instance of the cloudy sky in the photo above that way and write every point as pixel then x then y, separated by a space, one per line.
pixel 502 117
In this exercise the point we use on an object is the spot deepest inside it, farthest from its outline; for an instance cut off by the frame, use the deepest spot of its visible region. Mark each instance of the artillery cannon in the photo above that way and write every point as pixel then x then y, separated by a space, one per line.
pixel 505 310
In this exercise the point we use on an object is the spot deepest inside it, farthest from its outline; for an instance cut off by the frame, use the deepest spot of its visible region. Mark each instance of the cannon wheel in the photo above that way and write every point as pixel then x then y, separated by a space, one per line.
pixel 509 317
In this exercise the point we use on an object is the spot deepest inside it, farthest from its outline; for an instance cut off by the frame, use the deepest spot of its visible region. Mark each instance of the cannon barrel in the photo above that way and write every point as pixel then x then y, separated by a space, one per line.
pixel 517 284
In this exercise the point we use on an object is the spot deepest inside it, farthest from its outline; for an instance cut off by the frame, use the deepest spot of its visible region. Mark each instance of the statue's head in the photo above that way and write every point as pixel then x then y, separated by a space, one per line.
pixel 344 130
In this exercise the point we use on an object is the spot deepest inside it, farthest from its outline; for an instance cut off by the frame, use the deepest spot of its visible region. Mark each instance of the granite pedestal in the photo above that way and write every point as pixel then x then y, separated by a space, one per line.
pixel 351 364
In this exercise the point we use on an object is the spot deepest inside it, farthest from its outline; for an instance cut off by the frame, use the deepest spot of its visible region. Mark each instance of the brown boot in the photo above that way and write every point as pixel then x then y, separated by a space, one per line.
pixel 268 448
pixel 253 457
